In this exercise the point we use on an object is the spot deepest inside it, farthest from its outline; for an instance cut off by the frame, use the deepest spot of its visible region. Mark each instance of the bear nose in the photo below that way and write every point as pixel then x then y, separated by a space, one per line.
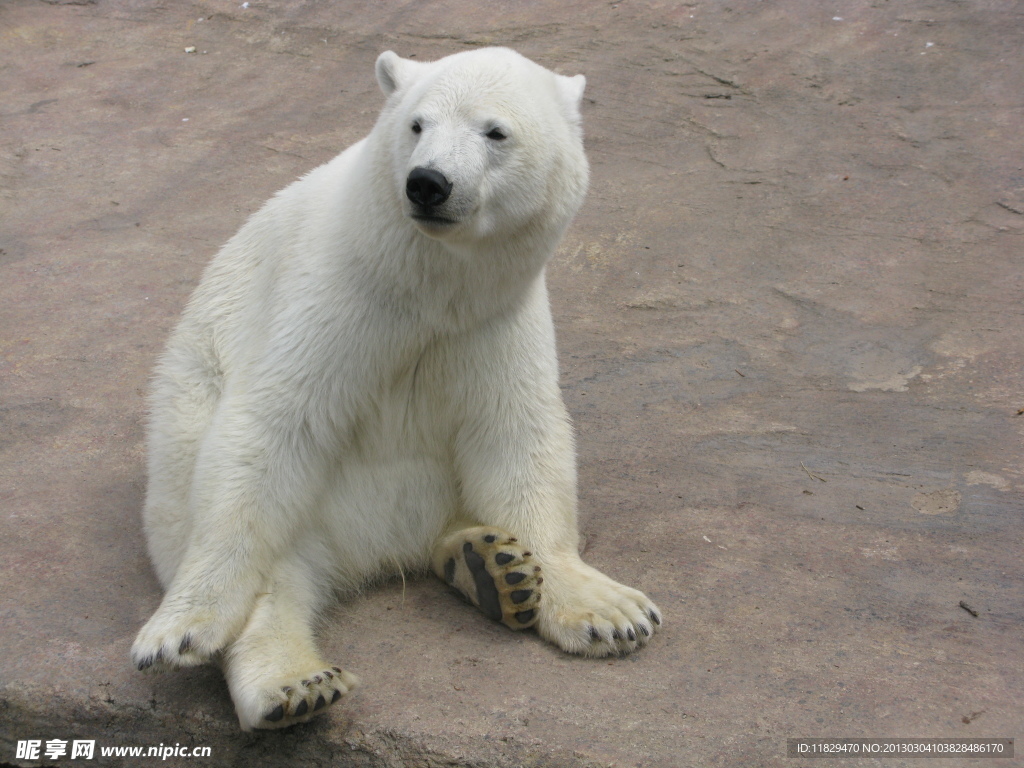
pixel 427 187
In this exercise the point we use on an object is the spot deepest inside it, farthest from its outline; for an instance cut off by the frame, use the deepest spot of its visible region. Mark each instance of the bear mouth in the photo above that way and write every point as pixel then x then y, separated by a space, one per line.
pixel 431 220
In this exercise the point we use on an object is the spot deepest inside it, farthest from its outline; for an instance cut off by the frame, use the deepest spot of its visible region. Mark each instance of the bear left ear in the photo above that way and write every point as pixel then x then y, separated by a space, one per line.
pixel 571 89
pixel 394 72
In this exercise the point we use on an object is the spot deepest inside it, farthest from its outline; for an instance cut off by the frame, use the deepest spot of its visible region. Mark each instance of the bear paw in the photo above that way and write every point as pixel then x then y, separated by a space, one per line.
pixel 174 638
pixel 280 706
pixel 588 613
pixel 490 570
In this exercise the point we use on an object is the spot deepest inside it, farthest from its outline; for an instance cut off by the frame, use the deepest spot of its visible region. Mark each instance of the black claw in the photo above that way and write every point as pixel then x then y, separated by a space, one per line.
pixel 321 702
pixel 328 675
pixel 654 617
pixel 146 663
pixel 337 669
pixel 525 617
pixel 631 634
pixel 594 634
pixel 186 645
pixel 305 683
pixel 490 538
pixel 302 709
pixel 336 696
pixel 616 635
pixel 644 631
pixel 276 714
pixel 504 558
pixel 514 578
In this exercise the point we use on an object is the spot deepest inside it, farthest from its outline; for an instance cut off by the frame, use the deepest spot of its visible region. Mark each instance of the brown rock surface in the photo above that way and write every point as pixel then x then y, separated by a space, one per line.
pixel 791 332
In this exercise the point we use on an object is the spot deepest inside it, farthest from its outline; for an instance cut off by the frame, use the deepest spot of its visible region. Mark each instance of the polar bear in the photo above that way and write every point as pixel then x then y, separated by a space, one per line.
pixel 365 382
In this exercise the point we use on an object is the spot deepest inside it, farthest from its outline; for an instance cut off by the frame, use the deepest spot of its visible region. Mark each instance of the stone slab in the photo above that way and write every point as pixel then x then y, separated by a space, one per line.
pixel 791 336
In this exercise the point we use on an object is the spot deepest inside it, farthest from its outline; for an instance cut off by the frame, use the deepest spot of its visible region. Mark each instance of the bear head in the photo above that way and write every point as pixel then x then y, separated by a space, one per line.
pixel 482 144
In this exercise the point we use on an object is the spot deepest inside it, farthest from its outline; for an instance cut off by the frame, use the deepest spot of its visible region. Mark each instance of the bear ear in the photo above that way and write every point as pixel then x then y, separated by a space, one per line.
pixel 394 72
pixel 571 89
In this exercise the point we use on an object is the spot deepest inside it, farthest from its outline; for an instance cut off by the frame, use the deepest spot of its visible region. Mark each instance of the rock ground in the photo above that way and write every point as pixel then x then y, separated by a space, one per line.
pixel 790 328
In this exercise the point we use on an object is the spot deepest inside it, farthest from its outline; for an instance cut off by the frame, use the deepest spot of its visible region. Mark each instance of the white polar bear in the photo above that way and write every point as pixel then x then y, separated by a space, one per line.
pixel 365 381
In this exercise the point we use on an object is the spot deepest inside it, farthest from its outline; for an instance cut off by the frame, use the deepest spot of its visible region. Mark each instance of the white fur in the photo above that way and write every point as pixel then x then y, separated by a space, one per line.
pixel 347 385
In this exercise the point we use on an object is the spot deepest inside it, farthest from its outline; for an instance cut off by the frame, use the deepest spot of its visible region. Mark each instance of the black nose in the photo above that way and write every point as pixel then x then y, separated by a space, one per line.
pixel 427 187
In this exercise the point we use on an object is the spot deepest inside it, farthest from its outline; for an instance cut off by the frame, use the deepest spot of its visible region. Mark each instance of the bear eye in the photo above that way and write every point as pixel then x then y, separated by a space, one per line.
pixel 416 127
pixel 496 134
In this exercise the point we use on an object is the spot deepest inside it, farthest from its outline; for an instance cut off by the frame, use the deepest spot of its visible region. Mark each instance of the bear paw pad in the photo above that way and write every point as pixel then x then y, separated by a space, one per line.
pixel 492 571
pixel 306 698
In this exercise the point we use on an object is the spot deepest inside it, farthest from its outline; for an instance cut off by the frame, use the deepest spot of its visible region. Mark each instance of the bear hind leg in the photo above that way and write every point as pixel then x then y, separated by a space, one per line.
pixel 492 571
pixel 275 673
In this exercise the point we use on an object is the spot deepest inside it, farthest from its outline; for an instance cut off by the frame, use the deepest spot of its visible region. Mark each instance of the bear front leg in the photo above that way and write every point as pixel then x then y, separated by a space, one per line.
pixel 250 489
pixel 527 492
pixel 516 468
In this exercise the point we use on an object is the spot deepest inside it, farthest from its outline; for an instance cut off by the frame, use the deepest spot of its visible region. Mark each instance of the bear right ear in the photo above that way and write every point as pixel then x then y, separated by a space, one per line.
pixel 571 89
pixel 394 72
pixel 570 92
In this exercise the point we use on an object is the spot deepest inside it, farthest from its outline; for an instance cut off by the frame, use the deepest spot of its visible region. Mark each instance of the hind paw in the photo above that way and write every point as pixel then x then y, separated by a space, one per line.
pixel 492 571
pixel 280 706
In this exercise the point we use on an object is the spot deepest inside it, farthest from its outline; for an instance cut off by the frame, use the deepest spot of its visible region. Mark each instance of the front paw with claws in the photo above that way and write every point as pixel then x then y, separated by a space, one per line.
pixel 177 639
pixel 587 613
